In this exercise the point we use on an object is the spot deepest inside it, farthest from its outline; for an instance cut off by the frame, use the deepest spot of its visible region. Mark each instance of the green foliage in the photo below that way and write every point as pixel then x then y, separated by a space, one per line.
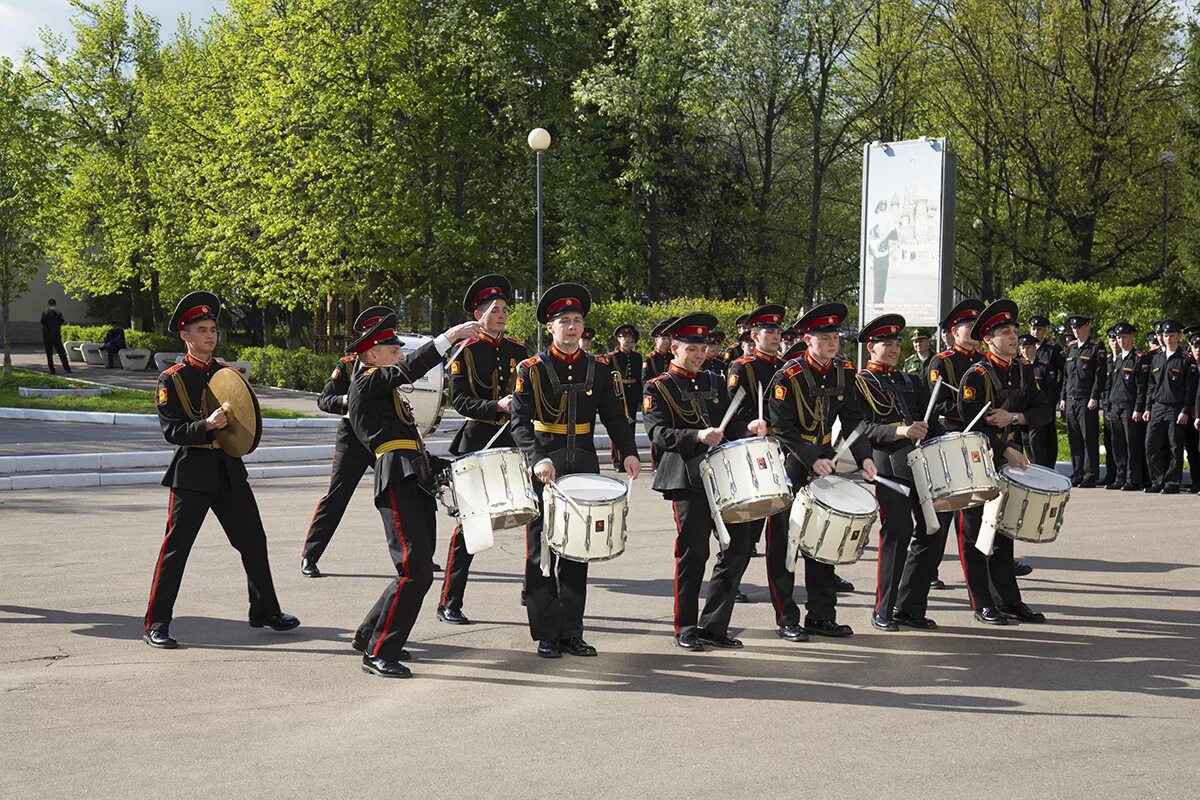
pixel 137 340
pixel 1106 305
pixel 288 369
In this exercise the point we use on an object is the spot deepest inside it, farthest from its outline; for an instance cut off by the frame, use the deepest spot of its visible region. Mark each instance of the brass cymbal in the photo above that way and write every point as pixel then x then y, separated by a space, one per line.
pixel 229 390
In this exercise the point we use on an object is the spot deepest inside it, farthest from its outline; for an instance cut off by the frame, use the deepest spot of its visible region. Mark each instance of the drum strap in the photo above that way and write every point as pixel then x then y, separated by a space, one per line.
pixel 571 392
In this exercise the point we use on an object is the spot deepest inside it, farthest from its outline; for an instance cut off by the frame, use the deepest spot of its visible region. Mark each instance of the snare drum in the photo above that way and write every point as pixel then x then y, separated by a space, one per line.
pixel 954 471
pixel 1030 505
pixel 745 479
pixel 585 517
pixel 492 492
pixel 830 521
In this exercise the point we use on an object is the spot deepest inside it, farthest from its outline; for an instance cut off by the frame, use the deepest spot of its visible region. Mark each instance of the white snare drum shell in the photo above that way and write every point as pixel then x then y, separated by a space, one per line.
pixel 954 471
pixel 831 521
pixel 745 479
pixel 1031 505
pixel 586 517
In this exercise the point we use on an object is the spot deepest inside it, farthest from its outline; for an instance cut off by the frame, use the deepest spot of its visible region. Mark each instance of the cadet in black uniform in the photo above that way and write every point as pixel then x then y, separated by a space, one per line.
pixel 1169 400
pixel 586 339
pixel 626 364
pixel 558 395
pixel 682 408
pixel 1083 384
pixel 948 367
pixel 734 351
pixel 404 484
pixel 350 457
pixel 1006 383
pixel 804 399
pixel 894 400
pixel 1043 441
pixel 1191 439
pixel 202 477
pixel 658 358
pixel 713 362
pixel 1126 433
pixel 481 383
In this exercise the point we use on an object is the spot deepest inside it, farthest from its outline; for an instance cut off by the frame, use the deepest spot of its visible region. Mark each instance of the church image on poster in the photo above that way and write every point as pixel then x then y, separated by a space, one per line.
pixel 907 230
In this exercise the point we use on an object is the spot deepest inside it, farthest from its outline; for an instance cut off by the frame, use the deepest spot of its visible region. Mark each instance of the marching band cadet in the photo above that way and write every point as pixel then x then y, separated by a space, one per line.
pixel 203 477
pixel 1043 441
pixel 804 399
pixel 404 484
pixel 682 408
pixel 1083 384
pixel 627 376
pixel 481 384
pixel 712 360
pixel 734 351
pixel 658 358
pixel 1170 395
pixel 558 395
pixel 894 400
pixel 1128 435
pixel 350 457
pixel 586 339
pixel 1191 440
pixel 947 366
pixel 1016 401
pixel 746 344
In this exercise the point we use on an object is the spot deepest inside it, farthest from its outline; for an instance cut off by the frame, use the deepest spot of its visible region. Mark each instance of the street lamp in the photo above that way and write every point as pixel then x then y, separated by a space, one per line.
pixel 539 141
pixel 1167 160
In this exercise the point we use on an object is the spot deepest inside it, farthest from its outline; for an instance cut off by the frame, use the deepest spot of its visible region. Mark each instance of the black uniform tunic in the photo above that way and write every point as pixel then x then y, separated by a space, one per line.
pixel 483 373
pixel 202 476
pixel 627 377
pixel 350 462
pixel 1083 381
pixel 655 364
pixel 1043 441
pixel 803 401
pixel 404 484
pixel 676 406
pixel 556 400
pixel 1169 391
pixel 1128 435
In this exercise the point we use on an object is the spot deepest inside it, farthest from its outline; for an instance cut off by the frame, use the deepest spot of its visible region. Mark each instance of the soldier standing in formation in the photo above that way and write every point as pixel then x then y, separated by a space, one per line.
pixel 626 364
pixel 1083 385
pixel 1043 441
pixel 1170 397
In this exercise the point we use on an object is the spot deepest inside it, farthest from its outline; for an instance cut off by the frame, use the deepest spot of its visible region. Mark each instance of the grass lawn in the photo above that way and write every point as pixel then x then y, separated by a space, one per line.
pixel 121 401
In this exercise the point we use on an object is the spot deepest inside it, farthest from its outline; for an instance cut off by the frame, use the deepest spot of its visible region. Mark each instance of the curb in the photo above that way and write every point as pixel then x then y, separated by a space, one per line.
pixel 145 420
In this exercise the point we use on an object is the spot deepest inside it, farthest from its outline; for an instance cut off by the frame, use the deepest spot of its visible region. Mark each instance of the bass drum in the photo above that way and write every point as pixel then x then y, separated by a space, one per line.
pixel 428 394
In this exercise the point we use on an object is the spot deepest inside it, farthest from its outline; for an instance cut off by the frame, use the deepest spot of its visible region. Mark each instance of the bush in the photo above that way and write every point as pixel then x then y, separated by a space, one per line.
pixel 1106 305
pixel 137 340
pixel 288 369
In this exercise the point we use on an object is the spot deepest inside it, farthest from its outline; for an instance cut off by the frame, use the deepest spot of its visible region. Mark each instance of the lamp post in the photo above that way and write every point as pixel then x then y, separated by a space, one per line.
pixel 539 141
pixel 1167 160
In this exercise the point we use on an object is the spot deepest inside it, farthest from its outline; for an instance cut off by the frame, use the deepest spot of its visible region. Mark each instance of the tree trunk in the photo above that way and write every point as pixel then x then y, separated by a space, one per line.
pixel 653 247
pixel 297 318
pixel 4 311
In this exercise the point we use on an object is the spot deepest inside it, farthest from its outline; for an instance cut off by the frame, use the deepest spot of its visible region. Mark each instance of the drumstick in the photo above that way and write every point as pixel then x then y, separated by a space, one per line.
pixel 760 401
pixel 738 397
pixel 977 416
pixel 933 398
pixel 849 440
pixel 496 435
pixel 893 485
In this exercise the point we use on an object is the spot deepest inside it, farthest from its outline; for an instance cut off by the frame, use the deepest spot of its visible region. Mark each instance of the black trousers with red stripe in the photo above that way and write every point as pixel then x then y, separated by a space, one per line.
pixel 819 580
pixel 900 517
pixel 554 604
pixel 991 580
pixel 237 511
pixel 458 570
pixel 350 463
pixel 921 567
pixel 409 517
pixel 694 528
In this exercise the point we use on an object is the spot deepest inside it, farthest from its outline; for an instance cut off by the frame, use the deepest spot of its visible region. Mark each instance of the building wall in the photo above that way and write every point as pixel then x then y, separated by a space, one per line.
pixel 28 308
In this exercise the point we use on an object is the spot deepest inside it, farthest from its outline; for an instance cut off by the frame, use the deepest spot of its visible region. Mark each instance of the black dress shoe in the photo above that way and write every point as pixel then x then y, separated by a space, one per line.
pixel 754 552
pixel 276 622
pixel 522 597
pixel 842 585
pixel 1022 612
pixel 308 568
pixel 910 621
pixel 548 648
pixel 1129 487
pixel 724 641
pixel 1152 489
pixel 826 627
pixel 688 641
pixel 361 646
pixel 1021 568
pixel 437 567
pixel 160 639
pixel 740 597
pixel 1114 486
pixel 374 665
pixel 576 646
pixel 793 633
pixel 1194 488
pixel 452 615
pixel 1075 482
pixel 990 616
pixel 1087 485
pixel 1171 488
pixel 884 623
pixel 937 583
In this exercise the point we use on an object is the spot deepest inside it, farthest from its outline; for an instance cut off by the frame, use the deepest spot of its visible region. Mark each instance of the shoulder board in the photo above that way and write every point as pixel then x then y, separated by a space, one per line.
pixel 471 341
pixel 223 365
pixel 848 365
pixel 171 370
pixel 656 379
pixel 531 361
pixel 979 367
pixel 743 360
pixel 945 354
pixel 601 359
pixel 514 341
pixel 347 359
pixel 368 371
pixel 793 369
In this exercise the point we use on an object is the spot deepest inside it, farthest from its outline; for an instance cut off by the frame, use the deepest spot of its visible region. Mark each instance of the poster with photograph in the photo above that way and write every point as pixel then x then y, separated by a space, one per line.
pixel 907 230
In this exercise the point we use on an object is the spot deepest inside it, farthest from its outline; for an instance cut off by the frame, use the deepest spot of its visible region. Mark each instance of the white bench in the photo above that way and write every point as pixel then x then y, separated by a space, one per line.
pixel 164 360
pixel 92 354
pixel 134 360
pixel 73 352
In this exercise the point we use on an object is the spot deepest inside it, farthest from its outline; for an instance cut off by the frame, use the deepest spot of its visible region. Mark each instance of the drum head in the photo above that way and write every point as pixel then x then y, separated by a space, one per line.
pixel 1040 478
pixel 842 494
pixel 592 488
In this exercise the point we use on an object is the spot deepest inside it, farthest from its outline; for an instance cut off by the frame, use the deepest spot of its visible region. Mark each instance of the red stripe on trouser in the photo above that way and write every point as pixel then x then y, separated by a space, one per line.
pixel 678 536
pixel 962 555
pixel 450 563
pixel 403 564
pixel 332 460
pixel 879 560
pixel 162 551
pixel 775 601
